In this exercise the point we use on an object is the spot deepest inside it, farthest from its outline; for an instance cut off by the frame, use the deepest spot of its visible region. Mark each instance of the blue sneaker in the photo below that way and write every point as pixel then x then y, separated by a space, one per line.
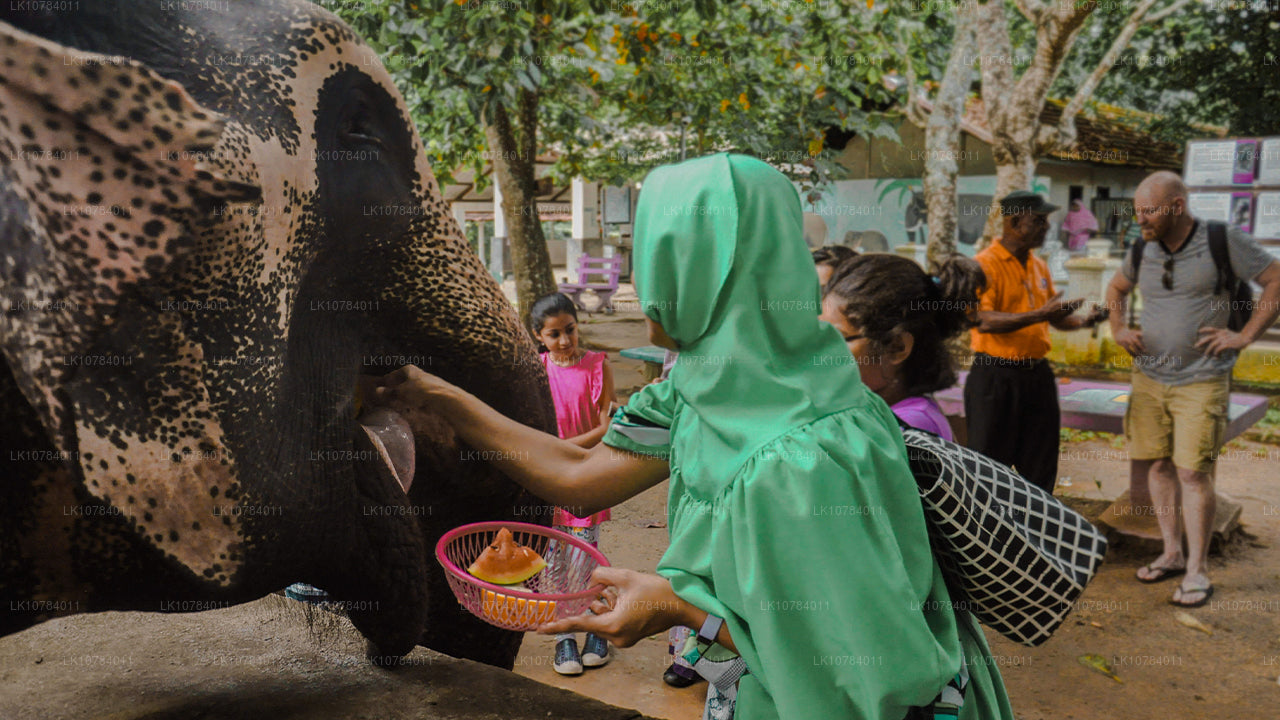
pixel 595 652
pixel 568 662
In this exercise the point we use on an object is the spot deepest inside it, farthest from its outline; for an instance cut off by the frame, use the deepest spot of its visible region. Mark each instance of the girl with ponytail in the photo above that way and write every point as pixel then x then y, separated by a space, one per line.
pixel 897 320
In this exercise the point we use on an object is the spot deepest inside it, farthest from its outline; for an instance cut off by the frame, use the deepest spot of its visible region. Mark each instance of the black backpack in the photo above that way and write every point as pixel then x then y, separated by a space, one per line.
pixel 1239 290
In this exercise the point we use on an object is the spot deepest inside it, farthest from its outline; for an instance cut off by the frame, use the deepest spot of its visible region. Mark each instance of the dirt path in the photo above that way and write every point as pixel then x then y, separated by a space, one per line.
pixel 1167 670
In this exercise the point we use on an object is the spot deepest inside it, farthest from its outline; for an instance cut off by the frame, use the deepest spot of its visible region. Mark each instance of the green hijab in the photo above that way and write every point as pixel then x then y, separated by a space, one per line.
pixel 791 511
pixel 742 303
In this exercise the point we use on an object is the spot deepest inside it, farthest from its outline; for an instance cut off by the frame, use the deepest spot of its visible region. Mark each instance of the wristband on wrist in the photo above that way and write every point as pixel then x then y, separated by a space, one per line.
pixel 697 645
pixel 710 629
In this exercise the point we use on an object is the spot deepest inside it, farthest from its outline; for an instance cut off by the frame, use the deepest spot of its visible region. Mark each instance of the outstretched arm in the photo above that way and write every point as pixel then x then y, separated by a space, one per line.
pixel 1055 311
pixel 553 469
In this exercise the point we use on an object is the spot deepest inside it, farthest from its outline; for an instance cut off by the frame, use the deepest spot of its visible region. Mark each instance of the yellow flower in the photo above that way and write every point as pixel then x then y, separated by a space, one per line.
pixel 487 88
pixel 675 37
pixel 746 104
pixel 820 92
pixel 724 105
pixel 815 146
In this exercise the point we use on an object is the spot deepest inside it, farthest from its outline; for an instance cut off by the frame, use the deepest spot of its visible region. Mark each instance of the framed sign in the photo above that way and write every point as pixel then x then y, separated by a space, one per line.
pixel 617 205
pixel 1269 161
pixel 1245 163
pixel 1210 205
pixel 1266 216
pixel 1210 162
pixel 1241 211
pixel 1220 162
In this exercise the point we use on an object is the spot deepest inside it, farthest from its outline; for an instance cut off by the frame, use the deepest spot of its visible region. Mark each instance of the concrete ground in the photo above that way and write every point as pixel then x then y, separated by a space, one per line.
pixel 251 662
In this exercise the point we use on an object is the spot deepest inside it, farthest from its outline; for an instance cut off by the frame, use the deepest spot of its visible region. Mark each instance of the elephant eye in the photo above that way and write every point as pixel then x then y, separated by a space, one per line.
pixel 358 123
pixel 358 128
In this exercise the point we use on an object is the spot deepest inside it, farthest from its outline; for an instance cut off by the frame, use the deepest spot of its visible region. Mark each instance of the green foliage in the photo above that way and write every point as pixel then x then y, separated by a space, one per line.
pixel 1072 435
pixel 616 84
pixel 1211 63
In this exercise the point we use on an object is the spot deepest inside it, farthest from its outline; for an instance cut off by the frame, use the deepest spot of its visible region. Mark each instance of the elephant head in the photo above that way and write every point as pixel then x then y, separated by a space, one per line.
pixel 216 222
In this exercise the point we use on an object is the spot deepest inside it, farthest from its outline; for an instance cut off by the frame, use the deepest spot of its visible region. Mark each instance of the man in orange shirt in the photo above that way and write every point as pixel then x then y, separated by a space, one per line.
pixel 1011 396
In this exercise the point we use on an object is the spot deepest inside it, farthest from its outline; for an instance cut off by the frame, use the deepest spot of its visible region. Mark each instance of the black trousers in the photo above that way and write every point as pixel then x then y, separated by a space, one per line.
pixel 1013 417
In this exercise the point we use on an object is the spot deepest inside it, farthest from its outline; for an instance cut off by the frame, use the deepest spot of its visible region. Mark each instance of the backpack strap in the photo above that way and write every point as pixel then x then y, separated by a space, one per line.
pixel 1221 257
pixel 1139 247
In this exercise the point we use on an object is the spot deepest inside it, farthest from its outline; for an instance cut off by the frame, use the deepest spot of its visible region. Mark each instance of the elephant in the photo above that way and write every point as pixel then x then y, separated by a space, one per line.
pixel 219 227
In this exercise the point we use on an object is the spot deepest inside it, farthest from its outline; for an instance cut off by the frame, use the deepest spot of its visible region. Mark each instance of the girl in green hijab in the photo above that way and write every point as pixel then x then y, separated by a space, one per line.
pixel 792 513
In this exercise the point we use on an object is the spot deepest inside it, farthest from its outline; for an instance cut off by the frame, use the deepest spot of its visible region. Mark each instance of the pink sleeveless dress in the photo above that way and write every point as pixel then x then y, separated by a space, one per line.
pixel 576 391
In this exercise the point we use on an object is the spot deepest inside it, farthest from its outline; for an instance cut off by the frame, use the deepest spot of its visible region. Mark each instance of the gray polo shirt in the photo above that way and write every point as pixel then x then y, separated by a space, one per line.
pixel 1171 319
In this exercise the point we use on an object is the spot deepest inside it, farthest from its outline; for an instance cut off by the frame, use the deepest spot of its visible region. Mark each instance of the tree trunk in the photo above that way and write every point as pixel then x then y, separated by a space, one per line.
pixel 1015 169
pixel 1013 104
pixel 514 164
pixel 942 144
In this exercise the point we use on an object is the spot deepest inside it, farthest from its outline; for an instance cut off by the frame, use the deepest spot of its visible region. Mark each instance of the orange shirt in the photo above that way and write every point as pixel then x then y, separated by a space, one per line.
pixel 1013 288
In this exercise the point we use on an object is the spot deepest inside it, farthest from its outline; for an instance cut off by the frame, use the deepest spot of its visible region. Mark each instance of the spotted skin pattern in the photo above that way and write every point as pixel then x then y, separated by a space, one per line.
pixel 212 223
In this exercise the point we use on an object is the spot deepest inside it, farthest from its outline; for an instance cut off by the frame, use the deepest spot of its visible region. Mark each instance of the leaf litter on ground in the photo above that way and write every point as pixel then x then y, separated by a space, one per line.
pixel 1099 664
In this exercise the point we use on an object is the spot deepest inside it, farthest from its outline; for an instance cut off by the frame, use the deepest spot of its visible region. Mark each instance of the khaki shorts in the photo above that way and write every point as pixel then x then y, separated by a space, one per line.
pixel 1184 422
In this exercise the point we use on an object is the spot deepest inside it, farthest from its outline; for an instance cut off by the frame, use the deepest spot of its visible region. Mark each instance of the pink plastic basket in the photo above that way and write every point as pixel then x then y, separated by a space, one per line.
pixel 559 591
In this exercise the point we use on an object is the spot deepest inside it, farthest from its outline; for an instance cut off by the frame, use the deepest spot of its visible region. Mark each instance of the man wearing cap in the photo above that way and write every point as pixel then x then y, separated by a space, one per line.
pixel 1011 396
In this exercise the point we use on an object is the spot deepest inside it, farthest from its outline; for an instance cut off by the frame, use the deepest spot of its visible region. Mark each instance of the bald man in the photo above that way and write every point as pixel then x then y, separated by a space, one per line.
pixel 1182 360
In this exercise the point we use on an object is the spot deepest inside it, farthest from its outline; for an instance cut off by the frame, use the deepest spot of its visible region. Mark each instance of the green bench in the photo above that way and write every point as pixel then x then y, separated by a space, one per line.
pixel 653 357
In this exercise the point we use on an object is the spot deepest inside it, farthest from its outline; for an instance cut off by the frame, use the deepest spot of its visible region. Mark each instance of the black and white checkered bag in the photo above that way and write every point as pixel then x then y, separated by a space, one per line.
pixel 1013 554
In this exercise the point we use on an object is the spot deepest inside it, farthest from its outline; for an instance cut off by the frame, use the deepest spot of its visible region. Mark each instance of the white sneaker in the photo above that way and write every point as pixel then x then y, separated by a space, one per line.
pixel 595 652
pixel 567 660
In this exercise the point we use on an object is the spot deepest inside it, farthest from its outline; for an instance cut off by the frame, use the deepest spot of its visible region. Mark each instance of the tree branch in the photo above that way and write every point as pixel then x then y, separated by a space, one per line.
pixel 1064 135
pixel 991 30
pixel 1156 17
pixel 1031 10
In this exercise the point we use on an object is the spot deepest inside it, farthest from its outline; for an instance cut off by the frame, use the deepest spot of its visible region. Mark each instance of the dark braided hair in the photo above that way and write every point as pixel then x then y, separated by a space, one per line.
pixel 885 295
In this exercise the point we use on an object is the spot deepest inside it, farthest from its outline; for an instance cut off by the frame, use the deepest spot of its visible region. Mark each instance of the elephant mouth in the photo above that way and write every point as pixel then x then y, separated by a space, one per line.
pixel 387 594
pixel 392 439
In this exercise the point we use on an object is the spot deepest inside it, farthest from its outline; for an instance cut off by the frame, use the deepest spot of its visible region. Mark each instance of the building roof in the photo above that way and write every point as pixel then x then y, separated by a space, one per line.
pixel 1109 135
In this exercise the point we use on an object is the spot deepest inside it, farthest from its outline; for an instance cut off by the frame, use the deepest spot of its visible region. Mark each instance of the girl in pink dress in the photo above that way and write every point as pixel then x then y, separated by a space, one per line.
pixel 582 388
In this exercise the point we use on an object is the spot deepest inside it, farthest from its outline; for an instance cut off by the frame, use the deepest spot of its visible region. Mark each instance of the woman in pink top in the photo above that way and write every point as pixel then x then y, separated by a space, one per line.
pixel 1079 225
pixel 897 321
pixel 582 388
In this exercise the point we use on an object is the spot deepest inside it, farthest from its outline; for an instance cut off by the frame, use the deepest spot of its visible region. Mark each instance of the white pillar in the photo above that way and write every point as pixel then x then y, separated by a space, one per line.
pixel 586 224
pixel 497 245
pixel 460 215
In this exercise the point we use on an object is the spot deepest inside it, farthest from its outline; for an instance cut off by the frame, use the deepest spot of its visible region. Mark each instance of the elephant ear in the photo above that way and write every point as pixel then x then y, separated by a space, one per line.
pixel 104 188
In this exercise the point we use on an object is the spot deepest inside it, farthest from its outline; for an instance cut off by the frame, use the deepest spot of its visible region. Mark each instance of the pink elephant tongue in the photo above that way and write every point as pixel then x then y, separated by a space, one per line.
pixel 392 437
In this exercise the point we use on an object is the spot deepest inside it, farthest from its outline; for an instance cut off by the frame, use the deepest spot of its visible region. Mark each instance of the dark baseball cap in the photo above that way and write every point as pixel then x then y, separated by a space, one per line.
pixel 1025 201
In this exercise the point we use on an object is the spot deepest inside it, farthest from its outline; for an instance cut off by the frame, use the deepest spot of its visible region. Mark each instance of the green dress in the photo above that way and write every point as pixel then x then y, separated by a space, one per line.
pixel 792 512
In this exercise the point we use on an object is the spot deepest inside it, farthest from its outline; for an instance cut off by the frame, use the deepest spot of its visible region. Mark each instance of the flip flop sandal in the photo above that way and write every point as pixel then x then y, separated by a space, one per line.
pixel 1161 574
pixel 1183 592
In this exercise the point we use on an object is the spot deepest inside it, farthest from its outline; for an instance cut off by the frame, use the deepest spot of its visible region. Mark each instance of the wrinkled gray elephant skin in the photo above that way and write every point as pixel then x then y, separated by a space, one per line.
pixel 216 222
